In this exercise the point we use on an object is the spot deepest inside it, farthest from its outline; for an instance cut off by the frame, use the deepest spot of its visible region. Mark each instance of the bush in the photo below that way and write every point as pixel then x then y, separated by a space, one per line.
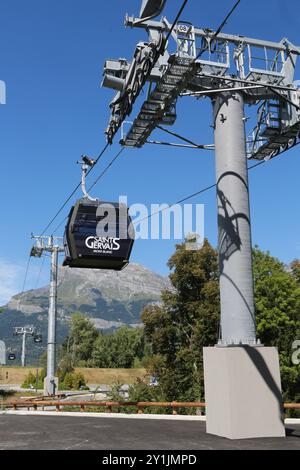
pixel 140 391
pixel 30 380
pixel 72 381
pixel 33 381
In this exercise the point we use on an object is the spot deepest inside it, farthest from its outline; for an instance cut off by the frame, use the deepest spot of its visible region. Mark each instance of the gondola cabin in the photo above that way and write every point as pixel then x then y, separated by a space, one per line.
pixel 98 235
pixel 38 338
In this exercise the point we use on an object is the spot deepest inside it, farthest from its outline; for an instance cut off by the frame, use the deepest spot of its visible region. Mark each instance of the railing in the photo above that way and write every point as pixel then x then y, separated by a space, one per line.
pixel 106 404
pixel 83 405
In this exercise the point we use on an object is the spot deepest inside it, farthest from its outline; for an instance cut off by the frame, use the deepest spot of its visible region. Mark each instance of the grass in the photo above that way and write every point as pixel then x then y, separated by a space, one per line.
pixel 111 376
pixel 16 375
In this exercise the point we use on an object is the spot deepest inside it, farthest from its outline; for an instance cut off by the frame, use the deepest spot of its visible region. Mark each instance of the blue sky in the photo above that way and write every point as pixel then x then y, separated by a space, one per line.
pixel 51 58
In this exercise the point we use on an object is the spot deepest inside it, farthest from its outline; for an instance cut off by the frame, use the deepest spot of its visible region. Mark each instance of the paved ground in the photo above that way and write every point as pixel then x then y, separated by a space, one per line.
pixel 72 433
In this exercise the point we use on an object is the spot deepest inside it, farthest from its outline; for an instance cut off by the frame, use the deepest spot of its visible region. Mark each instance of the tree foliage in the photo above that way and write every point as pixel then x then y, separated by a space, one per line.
pixel 295 270
pixel 277 300
pixel 175 331
pixel 118 349
pixel 79 344
pixel 86 346
pixel 187 321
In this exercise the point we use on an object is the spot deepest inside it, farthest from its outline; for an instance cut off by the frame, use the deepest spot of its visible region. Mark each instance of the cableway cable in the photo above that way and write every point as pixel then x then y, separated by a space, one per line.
pixel 94 184
pixel 219 29
pixel 24 281
pixel 107 145
pixel 74 191
pixel 191 196
pixel 176 20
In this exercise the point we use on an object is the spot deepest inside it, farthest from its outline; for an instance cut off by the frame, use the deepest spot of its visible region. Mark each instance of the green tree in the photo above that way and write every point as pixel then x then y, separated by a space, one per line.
pixel 295 270
pixel 118 349
pixel 78 346
pixel 187 320
pixel 277 300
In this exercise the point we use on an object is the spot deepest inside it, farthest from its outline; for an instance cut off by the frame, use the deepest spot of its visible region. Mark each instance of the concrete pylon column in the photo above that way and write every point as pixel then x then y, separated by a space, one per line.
pixel 242 380
pixel 235 255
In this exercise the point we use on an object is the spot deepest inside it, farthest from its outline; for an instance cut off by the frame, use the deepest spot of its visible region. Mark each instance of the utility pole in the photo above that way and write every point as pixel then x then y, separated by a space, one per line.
pixel 2 353
pixel 23 356
pixel 51 245
pixel 24 331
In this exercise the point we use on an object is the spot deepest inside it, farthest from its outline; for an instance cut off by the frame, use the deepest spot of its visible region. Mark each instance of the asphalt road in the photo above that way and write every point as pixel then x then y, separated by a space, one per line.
pixel 82 433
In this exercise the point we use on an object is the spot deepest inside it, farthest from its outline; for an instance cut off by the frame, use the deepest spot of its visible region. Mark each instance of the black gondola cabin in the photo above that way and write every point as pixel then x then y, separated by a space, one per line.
pixel 98 235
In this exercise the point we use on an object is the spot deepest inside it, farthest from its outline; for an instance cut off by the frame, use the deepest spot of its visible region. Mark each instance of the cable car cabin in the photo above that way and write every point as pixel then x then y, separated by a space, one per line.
pixel 38 338
pixel 98 235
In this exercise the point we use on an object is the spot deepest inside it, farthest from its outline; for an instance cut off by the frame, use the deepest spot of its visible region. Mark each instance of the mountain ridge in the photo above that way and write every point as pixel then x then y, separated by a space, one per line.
pixel 109 299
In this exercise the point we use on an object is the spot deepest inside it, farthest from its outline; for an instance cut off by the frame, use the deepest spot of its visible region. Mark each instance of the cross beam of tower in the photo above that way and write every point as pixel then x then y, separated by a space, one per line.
pixel 53 246
pixel 262 70
pixel 232 71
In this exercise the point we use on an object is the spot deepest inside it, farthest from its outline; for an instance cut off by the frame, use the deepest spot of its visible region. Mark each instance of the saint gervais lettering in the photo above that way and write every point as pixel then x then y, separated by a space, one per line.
pixel 103 243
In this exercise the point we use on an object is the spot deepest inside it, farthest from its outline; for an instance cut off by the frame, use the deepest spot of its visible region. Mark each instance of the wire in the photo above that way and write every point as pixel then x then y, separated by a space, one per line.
pixel 170 205
pixel 185 146
pixel 26 274
pixel 184 139
pixel 219 29
pixel 24 282
pixel 107 144
pixel 176 20
pixel 59 225
pixel 94 184
pixel 201 191
pixel 257 164
pixel 74 191
pixel 226 19
pixel 40 272
pixel 106 169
